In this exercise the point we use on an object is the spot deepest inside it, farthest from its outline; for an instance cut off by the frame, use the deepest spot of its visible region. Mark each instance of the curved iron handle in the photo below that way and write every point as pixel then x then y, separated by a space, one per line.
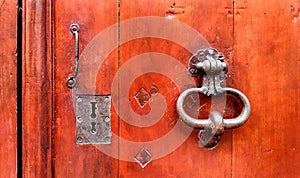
pixel 211 63
pixel 71 81
pixel 201 124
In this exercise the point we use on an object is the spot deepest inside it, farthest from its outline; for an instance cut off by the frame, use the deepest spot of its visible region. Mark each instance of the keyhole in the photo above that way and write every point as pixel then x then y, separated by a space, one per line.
pixel 93 114
pixel 93 129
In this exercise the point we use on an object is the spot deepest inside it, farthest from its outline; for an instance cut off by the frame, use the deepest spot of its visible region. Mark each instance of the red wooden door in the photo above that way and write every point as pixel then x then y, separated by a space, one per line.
pixel 149 58
pixel 137 53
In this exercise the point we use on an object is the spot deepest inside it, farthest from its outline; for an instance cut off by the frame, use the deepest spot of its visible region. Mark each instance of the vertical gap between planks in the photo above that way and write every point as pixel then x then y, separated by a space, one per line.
pixel 52 57
pixel 232 64
pixel 19 88
pixel 119 59
pixel 232 68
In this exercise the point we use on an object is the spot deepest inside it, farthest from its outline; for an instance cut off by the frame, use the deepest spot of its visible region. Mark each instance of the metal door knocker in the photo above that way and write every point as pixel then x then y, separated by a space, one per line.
pixel 211 63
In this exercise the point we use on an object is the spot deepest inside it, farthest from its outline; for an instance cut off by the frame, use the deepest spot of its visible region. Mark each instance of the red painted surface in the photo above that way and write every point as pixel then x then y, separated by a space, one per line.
pixel 260 42
pixel 8 89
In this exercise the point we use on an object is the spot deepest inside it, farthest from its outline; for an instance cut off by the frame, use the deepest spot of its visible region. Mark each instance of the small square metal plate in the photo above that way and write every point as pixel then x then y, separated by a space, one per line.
pixel 143 157
pixel 93 119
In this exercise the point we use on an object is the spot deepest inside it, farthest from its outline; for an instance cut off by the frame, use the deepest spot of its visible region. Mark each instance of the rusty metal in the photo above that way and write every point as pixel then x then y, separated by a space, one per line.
pixel 71 81
pixel 210 136
pixel 143 157
pixel 210 63
pixel 142 97
pixel 200 124
pixel 93 123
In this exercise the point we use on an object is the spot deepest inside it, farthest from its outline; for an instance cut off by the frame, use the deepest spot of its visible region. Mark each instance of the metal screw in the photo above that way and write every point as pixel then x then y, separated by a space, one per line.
pixel 74 28
pixel 79 119
pixel 79 99
pixel 107 139
pixel 79 140
pixel 153 90
pixel 106 99
pixel 71 82
pixel 107 119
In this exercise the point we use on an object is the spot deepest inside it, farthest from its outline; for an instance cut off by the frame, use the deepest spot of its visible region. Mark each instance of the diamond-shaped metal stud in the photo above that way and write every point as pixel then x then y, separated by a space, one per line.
pixel 142 97
pixel 143 157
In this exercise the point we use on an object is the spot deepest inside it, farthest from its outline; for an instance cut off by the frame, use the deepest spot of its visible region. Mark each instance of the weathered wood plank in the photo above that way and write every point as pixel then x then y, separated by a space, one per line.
pixel 215 23
pixel 8 88
pixel 36 86
pixel 73 160
pixel 266 58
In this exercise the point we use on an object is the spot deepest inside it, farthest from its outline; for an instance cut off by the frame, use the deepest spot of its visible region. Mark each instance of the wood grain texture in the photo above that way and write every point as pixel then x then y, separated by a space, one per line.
pixel 37 86
pixel 215 23
pixel 8 89
pixel 260 41
pixel 73 160
pixel 266 58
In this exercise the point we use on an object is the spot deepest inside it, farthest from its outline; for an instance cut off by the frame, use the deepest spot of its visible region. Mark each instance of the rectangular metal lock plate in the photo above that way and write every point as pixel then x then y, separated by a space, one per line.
pixel 93 119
